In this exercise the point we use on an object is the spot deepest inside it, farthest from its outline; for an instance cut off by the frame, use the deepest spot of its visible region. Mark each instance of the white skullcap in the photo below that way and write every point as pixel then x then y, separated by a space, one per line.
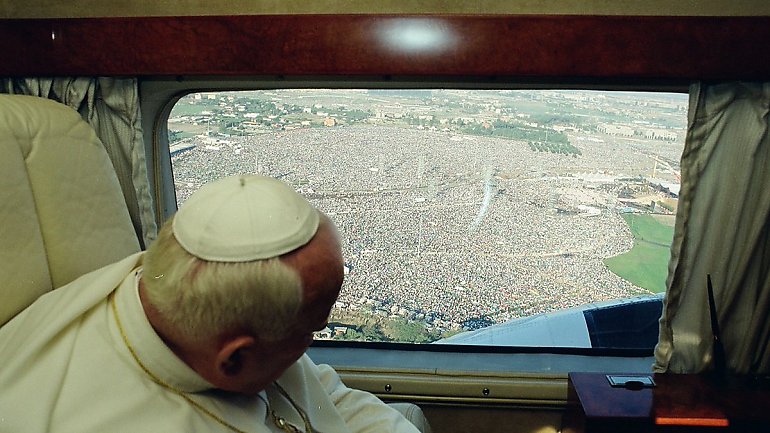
pixel 244 218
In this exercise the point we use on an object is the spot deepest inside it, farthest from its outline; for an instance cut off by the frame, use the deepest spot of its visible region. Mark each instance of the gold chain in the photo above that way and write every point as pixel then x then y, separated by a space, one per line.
pixel 302 414
pixel 277 420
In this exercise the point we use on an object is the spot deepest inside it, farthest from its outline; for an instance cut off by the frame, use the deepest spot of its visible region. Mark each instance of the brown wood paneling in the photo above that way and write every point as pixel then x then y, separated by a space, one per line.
pixel 678 403
pixel 540 48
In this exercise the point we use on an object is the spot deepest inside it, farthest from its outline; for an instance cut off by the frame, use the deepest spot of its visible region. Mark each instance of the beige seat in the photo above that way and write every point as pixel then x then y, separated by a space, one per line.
pixel 414 414
pixel 62 213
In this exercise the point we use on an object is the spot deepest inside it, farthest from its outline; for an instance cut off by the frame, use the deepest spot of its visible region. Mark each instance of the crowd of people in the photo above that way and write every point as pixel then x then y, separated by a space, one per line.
pixel 444 228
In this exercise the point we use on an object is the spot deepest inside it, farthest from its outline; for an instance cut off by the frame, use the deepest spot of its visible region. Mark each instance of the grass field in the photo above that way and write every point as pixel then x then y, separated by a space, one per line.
pixel 646 265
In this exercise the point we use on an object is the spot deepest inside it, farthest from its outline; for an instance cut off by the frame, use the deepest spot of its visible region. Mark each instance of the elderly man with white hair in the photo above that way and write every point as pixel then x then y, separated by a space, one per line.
pixel 206 331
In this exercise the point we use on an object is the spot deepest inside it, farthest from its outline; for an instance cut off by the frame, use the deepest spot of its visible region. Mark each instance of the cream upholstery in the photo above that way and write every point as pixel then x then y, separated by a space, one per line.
pixel 414 414
pixel 62 213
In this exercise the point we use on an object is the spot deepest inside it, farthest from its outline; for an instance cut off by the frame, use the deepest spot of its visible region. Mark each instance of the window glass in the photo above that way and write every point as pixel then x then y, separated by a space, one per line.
pixel 511 217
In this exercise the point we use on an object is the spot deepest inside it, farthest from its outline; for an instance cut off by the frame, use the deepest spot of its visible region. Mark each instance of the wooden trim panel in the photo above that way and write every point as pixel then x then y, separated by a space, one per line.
pixel 529 47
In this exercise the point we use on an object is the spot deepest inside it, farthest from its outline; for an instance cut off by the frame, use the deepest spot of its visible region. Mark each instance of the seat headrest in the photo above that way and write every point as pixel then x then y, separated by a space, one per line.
pixel 62 212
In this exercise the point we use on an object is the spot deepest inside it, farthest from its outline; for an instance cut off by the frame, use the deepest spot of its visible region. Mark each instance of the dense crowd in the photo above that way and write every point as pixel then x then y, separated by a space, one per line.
pixel 445 228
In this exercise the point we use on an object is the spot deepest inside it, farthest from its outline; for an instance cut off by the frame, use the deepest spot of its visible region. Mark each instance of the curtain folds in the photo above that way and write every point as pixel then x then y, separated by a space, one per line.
pixel 722 230
pixel 111 107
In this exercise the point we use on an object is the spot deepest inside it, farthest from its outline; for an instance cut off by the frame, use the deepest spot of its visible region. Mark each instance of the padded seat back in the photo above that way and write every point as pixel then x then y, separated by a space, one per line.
pixel 62 213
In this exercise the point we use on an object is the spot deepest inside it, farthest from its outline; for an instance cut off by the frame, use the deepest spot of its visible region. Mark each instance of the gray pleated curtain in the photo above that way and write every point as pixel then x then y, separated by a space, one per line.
pixel 721 230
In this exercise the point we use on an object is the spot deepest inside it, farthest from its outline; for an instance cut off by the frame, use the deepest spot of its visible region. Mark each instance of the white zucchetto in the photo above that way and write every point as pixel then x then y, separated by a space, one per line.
pixel 243 218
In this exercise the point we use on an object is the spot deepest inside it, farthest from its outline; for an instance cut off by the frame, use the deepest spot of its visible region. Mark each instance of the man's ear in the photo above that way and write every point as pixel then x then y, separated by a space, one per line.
pixel 229 359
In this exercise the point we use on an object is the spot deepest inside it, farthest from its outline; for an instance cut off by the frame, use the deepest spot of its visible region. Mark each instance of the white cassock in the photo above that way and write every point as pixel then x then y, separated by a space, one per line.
pixel 65 367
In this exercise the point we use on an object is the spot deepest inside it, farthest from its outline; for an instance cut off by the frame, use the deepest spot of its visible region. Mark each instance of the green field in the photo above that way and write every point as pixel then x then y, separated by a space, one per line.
pixel 646 265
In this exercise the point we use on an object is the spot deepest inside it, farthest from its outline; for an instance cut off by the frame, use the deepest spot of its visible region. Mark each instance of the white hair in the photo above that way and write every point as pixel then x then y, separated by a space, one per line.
pixel 201 299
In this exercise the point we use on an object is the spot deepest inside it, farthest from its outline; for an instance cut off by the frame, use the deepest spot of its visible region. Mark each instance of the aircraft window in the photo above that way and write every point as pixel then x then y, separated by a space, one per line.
pixel 490 217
